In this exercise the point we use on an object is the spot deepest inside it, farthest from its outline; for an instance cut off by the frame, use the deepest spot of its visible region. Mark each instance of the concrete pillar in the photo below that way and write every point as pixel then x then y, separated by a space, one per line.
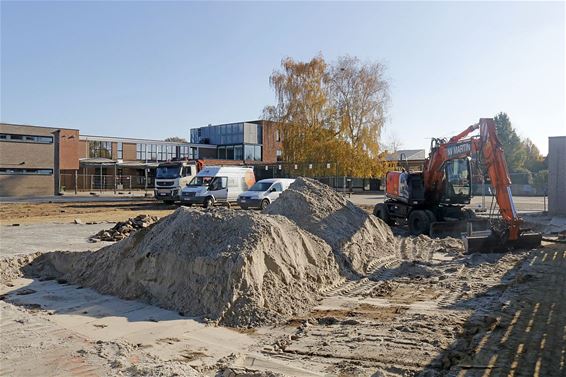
pixel 557 175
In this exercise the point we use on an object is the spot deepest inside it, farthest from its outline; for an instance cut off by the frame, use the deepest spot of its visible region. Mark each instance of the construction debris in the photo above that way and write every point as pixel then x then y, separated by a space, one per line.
pixel 123 229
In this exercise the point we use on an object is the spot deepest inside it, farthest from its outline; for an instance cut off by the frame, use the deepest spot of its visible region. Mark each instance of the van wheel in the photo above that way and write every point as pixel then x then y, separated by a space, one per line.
pixel 264 203
pixel 208 202
pixel 419 222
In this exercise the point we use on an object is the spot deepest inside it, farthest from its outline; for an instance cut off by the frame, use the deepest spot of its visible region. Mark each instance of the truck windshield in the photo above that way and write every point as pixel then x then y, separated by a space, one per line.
pixel 200 181
pixel 168 172
pixel 261 186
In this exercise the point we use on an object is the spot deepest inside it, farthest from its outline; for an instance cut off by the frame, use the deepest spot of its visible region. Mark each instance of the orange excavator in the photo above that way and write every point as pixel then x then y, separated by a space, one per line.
pixel 433 201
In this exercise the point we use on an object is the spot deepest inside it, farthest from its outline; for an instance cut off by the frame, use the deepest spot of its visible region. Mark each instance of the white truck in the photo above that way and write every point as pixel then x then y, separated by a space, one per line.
pixel 217 184
pixel 172 176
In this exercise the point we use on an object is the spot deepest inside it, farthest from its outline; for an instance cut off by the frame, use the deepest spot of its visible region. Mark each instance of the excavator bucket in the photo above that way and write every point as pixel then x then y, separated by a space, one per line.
pixel 441 229
pixel 488 242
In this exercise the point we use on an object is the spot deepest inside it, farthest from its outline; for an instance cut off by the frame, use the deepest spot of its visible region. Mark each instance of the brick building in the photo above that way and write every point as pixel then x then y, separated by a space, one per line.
pixel 32 158
pixel 43 161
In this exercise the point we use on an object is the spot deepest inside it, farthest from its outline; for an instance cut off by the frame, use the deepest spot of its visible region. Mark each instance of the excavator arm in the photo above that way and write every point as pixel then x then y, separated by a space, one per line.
pixel 489 150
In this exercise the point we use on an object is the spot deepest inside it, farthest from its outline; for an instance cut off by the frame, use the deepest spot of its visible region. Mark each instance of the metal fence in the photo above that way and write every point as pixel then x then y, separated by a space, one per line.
pixel 96 182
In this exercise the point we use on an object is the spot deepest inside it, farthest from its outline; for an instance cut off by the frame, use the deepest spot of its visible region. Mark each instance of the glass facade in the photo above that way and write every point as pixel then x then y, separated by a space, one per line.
pixel 235 141
pixel 164 152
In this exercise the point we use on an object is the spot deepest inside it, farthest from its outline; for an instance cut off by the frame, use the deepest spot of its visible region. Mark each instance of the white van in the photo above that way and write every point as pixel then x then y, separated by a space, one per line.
pixel 217 184
pixel 263 192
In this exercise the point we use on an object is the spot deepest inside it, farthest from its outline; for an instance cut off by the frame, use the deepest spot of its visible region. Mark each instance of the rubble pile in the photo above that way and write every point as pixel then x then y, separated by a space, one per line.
pixel 124 229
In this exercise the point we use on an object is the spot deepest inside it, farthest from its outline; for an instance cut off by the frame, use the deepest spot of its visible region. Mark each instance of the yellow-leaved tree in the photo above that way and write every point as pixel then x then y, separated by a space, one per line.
pixel 331 113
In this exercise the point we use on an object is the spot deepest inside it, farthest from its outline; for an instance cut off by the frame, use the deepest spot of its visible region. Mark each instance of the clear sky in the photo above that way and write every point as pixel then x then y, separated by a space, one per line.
pixel 156 69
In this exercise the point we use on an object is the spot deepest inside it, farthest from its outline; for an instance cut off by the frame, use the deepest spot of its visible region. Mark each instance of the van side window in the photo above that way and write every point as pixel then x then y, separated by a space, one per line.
pixel 278 187
pixel 219 183
pixel 188 171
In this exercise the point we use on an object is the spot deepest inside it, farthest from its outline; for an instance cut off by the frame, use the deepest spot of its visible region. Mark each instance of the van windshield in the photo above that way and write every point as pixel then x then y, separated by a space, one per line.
pixel 168 172
pixel 200 181
pixel 261 186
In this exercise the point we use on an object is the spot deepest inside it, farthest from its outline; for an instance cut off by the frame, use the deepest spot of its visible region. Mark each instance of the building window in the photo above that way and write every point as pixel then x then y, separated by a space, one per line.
pixel 221 153
pixel 100 149
pixel 10 171
pixel 230 152
pixel 238 152
pixel 279 155
pixel 120 151
pixel 194 153
pixel 141 152
pixel 277 135
pixel 27 138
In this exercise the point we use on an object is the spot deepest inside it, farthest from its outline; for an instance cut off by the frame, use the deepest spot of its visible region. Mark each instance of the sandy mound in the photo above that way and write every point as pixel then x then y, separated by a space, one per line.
pixel 240 267
pixel 356 237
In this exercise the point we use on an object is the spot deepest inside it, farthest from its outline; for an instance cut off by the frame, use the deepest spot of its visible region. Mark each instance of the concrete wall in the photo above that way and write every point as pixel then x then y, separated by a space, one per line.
pixel 557 175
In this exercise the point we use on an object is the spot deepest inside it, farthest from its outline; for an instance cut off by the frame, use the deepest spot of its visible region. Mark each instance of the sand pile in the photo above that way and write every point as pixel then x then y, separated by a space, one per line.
pixel 356 237
pixel 239 267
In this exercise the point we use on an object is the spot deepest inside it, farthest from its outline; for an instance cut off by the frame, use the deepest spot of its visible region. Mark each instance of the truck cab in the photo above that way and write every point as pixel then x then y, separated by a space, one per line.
pixel 171 177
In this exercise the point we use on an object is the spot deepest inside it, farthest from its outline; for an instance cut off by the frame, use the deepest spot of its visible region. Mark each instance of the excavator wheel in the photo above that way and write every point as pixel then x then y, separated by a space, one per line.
pixel 381 211
pixel 419 222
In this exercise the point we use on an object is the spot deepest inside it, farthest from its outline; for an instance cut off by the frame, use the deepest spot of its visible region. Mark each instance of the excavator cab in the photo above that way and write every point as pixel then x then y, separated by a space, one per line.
pixel 457 182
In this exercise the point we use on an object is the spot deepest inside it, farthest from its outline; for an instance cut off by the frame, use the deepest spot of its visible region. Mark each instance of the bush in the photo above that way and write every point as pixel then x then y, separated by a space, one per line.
pixel 521 176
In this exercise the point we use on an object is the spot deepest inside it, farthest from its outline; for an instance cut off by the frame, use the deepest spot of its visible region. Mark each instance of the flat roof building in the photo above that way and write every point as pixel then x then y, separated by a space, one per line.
pixel 43 161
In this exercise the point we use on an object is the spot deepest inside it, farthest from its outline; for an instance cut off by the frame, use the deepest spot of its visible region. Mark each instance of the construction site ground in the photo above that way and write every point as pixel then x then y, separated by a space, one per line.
pixel 436 312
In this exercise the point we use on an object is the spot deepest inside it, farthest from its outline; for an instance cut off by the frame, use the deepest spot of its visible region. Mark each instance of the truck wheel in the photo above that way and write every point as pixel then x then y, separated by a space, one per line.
pixel 381 211
pixel 169 201
pixel 208 202
pixel 264 204
pixel 430 215
pixel 419 222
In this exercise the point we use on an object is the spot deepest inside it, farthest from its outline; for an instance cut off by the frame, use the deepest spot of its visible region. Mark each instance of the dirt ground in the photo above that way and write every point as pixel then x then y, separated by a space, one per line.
pixel 110 211
pixel 432 313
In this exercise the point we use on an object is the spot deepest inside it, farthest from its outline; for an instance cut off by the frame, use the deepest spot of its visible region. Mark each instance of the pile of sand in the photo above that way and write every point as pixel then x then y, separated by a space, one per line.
pixel 356 237
pixel 239 267
pixel 242 268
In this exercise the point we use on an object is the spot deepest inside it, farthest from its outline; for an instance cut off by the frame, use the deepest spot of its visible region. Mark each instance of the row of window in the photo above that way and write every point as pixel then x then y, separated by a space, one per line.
pixel 239 152
pixel 160 152
pixel 27 138
pixel 26 171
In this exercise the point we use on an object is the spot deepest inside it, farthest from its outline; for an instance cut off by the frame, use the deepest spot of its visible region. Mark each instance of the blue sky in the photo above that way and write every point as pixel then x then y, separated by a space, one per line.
pixel 152 70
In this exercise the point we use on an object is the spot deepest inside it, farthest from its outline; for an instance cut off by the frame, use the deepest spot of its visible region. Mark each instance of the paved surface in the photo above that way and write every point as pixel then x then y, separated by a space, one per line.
pixel 26 239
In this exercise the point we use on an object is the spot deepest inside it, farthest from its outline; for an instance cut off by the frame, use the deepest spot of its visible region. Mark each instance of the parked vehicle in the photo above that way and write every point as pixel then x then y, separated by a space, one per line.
pixel 263 192
pixel 171 177
pixel 216 184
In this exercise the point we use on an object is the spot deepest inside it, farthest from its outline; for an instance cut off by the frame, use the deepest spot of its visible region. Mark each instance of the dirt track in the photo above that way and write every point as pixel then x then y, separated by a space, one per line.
pixel 111 211
pixel 478 315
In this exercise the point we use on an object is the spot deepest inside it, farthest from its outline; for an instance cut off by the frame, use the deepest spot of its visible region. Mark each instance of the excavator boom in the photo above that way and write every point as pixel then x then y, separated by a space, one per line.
pixel 489 151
